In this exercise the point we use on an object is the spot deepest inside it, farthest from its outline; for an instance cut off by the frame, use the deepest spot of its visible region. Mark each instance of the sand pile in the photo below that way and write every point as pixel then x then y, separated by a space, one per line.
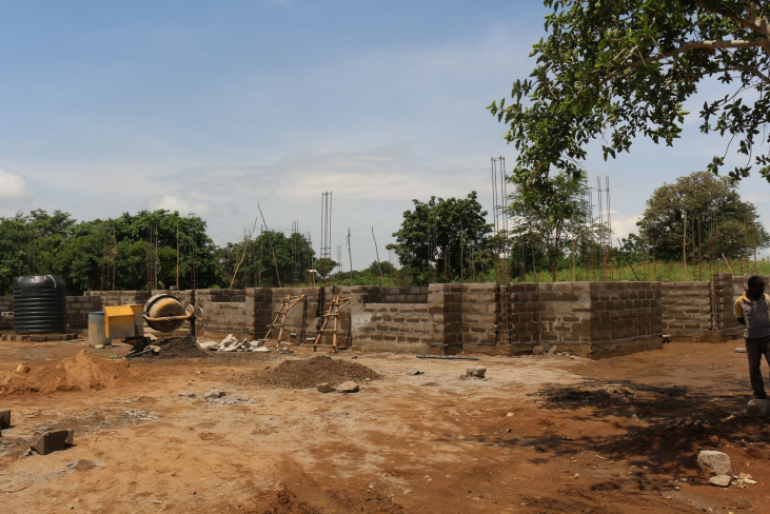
pixel 82 372
pixel 307 373
pixel 175 348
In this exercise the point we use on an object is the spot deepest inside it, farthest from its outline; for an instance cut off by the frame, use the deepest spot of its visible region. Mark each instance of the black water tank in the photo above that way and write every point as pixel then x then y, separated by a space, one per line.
pixel 39 305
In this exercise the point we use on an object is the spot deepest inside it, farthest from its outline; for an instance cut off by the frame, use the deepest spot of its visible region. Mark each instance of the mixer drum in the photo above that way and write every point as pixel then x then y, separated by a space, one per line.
pixel 164 306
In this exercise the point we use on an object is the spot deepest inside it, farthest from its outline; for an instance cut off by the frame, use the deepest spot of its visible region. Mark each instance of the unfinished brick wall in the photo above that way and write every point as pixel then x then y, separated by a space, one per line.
pixel 113 298
pixel 625 317
pixel 526 317
pixel 6 312
pixel 78 308
pixel 593 319
pixel 477 322
pixel 565 315
pixel 686 309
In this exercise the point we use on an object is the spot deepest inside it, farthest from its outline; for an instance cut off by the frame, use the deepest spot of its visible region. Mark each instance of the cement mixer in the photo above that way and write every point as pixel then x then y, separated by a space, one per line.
pixel 163 313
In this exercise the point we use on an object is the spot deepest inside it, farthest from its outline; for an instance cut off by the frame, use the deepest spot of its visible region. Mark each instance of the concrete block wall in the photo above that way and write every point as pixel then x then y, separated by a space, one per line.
pixel 477 318
pixel 526 315
pixel 686 310
pixel 78 308
pixel 6 312
pixel 565 315
pixel 594 319
pixel 625 317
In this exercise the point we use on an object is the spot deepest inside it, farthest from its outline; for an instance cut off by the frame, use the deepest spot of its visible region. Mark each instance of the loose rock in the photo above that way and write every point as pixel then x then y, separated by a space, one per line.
pixel 99 347
pixel 740 349
pixel 414 372
pixel 5 418
pixel 716 463
pixel 552 350
pixel 739 502
pixel 537 350
pixel 720 480
pixel 347 387
pixel 477 372
pixel 325 388
pixel 213 394
pixel 187 394
pixel 285 351
pixel 54 441
pixel 758 408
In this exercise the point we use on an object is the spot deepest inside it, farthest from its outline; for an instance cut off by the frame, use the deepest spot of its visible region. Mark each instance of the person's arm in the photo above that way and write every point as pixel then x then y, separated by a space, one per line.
pixel 738 311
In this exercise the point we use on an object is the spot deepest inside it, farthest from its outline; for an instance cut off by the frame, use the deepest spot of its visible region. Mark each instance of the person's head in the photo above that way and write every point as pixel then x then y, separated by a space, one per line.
pixel 756 287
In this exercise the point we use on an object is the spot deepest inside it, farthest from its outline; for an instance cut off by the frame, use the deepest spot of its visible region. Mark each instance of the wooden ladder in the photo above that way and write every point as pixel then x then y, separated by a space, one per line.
pixel 287 302
pixel 335 306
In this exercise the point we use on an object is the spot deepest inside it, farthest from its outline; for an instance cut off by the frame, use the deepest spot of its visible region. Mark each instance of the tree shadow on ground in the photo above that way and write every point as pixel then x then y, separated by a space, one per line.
pixel 662 428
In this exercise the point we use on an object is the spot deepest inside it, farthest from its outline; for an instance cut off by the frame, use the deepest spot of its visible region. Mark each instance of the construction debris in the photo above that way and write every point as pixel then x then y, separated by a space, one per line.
pixel 234 344
pixel 347 387
pixel 54 441
pixel 325 388
pixel 213 394
pixel 477 372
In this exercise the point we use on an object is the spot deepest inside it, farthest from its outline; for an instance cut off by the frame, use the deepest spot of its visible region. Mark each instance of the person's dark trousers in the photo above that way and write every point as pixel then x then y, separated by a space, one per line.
pixel 756 347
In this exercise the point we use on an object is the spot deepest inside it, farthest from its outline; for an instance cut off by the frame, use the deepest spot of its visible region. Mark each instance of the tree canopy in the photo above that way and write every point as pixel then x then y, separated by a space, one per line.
pixel 79 252
pixel 451 235
pixel 553 221
pixel 612 70
pixel 697 213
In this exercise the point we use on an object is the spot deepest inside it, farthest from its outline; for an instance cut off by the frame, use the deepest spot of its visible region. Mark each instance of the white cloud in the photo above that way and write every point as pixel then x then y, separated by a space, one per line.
pixel 12 186
pixel 624 225
pixel 755 197
pixel 184 204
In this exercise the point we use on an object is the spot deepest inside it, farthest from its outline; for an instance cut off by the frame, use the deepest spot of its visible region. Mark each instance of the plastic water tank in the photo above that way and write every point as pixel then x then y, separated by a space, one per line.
pixel 39 305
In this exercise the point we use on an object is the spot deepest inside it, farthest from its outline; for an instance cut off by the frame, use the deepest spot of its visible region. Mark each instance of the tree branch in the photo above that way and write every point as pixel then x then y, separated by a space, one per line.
pixel 737 19
pixel 707 45
pixel 753 71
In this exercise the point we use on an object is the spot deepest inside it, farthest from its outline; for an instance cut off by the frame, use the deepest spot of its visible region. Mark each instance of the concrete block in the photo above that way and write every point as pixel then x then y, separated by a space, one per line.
pixel 54 441
pixel 5 418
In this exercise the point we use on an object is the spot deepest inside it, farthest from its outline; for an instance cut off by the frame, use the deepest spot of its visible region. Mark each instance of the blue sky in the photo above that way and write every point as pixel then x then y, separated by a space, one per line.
pixel 110 107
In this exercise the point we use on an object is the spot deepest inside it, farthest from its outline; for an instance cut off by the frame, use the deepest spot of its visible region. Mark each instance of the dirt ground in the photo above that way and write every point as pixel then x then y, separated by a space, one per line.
pixel 540 434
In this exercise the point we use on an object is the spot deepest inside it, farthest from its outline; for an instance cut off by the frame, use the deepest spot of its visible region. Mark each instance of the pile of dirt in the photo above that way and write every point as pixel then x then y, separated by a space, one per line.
pixel 82 372
pixel 175 348
pixel 308 373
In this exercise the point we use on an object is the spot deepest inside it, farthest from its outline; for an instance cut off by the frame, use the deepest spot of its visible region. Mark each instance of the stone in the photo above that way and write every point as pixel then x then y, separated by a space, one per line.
pixel 714 462
pixel 476 371
pixel 720 480
pixel 739 502
pixel 325 388
pixel 740 349
pixel 213 394
pixel 99 347
pixel 54 441
pixel 758 408
pixel 186 394
pixel 83 465
pixel 537 350
pixel 552 350
pixel 260 349
pixel 211 346
pixel 714 439
pixel 347 387
pixel 413 372
pixel 5 418
pixel 285 351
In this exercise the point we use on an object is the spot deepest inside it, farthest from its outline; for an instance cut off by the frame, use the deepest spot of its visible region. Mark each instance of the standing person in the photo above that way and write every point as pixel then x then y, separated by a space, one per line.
pixel 753 311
